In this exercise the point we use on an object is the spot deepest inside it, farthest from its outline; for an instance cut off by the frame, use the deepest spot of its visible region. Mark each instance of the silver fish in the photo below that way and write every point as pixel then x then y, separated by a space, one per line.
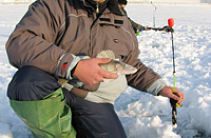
pixel 115 66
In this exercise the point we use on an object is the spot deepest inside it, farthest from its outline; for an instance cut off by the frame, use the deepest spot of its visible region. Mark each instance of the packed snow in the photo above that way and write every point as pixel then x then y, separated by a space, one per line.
pixel 143 115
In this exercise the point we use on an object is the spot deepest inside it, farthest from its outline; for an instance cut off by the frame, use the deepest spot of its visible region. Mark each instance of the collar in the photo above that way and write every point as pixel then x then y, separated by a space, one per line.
pixel 112 5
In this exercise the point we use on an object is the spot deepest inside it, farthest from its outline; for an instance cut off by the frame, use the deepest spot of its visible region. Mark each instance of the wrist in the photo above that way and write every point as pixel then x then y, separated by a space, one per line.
pixel 156 87
pixel 72 67
pixel 74 71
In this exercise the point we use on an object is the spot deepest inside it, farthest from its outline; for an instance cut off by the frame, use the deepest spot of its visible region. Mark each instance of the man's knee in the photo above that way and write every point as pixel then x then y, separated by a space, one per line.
pixel 30 83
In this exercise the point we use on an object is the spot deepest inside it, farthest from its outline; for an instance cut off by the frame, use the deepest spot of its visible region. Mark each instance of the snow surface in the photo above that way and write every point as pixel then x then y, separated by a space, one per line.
pixel 143 115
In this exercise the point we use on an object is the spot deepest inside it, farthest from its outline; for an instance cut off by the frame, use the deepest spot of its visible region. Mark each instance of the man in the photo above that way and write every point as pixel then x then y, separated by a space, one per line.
pixel 49 43
pixel 138 27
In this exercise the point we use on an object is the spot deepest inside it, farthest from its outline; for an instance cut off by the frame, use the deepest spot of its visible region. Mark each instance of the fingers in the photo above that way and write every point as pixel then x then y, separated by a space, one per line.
pixel 89 71
pixel 108 75
pixel 179 96
pixel 103 73
pixel 169 92
pixel 102 60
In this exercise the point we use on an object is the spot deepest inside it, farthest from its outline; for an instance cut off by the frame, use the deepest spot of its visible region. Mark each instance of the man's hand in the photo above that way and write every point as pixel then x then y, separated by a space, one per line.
pixel 89 72
pixel 168 92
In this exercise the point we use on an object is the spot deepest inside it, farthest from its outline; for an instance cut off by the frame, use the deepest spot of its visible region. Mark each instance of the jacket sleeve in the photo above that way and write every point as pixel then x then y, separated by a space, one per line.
pixel 134 24
pixel 145 79
pixel 32 41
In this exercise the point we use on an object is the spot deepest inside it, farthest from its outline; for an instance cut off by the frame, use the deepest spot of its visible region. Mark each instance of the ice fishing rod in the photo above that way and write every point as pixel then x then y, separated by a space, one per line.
pixel 172 101
pixel 154 14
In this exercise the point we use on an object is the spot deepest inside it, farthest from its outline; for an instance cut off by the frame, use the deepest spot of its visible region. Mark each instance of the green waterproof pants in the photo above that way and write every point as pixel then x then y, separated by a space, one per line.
pixel 50 117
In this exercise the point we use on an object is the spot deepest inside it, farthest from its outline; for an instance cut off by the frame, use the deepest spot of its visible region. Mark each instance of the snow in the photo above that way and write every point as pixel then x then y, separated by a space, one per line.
pixel 143 115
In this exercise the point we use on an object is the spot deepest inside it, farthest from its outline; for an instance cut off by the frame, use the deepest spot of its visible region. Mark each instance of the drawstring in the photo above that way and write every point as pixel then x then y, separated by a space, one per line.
pixel 97 10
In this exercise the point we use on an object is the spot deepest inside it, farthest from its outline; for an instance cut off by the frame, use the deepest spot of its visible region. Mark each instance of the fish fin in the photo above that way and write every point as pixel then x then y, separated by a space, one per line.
pixel 106 54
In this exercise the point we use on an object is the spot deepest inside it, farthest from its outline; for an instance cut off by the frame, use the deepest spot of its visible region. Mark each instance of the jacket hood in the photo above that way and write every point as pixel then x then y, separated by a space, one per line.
pixel 113 7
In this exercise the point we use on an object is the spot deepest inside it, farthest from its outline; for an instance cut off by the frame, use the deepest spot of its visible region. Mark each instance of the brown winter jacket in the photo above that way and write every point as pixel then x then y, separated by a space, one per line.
pixel 56 27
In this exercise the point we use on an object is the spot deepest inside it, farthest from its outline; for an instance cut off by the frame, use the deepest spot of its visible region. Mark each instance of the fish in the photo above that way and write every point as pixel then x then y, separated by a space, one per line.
pixel 115 66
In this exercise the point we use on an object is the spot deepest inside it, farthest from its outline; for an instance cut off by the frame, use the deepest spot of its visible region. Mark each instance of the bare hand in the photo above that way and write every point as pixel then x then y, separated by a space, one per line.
pixel 168 92
pixel 89 72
